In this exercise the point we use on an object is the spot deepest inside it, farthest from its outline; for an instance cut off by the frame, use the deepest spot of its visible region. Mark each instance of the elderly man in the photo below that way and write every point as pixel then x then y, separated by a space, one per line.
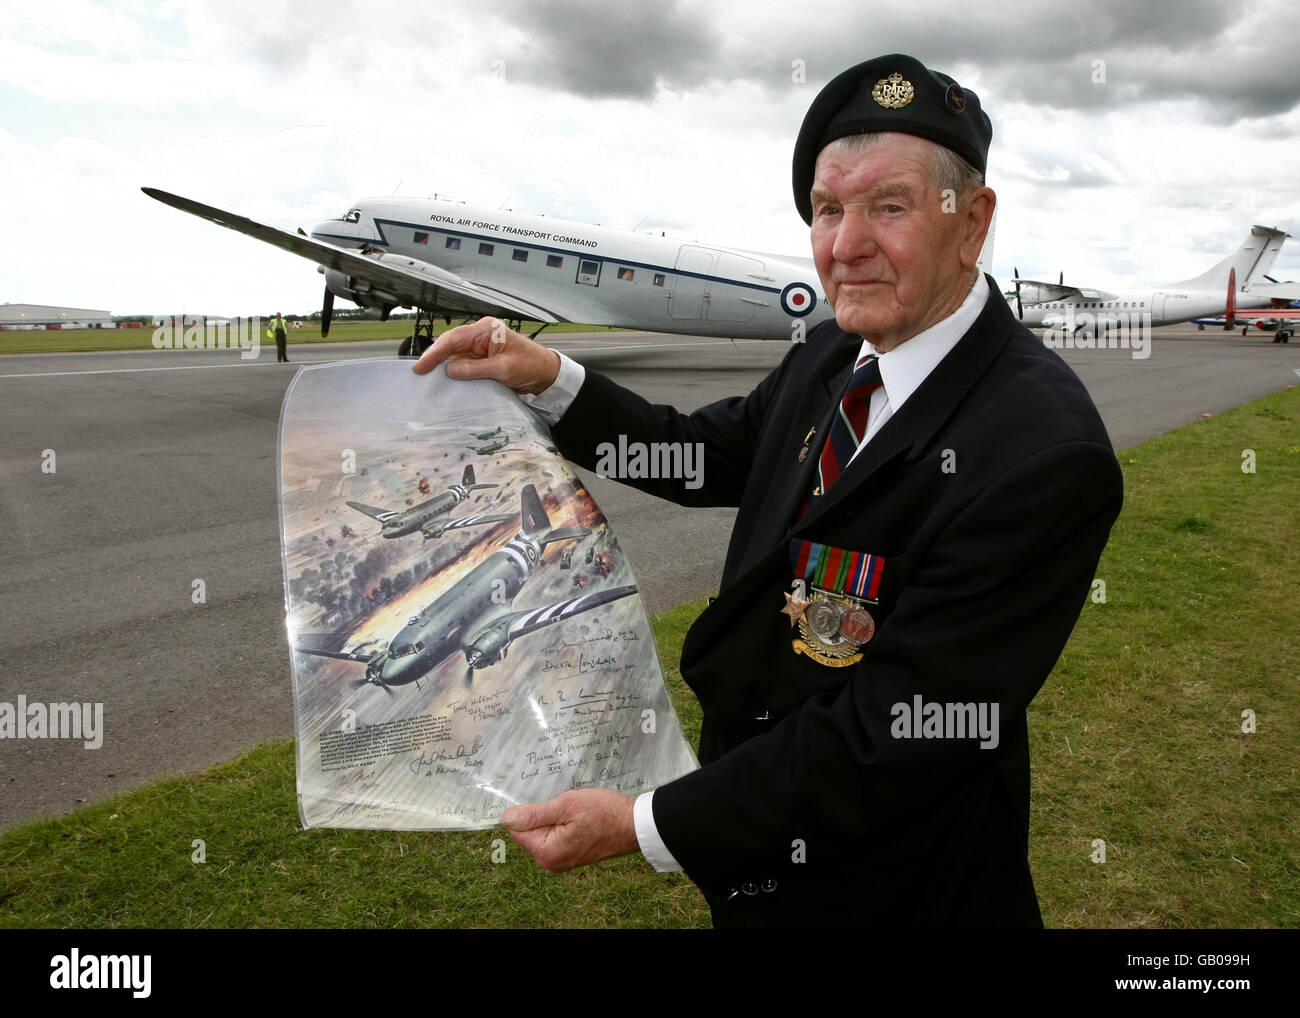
pixel 924 492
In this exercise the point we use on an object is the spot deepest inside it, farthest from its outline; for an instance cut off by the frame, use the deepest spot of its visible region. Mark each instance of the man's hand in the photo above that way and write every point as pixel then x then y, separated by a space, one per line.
pixel 488 349
pixel 575 829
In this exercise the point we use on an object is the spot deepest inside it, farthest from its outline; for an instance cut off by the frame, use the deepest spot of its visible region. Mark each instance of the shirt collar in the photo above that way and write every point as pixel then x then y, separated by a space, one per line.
pixel 906 366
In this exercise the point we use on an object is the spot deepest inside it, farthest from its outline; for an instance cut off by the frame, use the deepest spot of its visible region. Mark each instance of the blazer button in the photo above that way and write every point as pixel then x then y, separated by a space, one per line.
pixel 769 885
pixel 750 888
pixel 731 894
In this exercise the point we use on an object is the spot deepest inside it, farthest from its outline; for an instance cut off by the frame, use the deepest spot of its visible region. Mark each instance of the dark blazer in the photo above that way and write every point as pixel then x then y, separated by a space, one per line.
pixel 990 495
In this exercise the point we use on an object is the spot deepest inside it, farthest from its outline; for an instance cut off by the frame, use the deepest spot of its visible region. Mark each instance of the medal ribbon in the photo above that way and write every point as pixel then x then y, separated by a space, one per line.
pixel 838 571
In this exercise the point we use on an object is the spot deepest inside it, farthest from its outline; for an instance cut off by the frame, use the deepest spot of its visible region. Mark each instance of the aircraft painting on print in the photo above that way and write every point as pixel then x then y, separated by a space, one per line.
pixel 446 258
pixel 1226 286
pixel 436 683
pixel 431 518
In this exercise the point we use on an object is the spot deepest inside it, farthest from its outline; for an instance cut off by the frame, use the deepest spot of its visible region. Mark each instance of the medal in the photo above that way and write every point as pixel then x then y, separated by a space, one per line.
pixel 795 603
pixel 834 623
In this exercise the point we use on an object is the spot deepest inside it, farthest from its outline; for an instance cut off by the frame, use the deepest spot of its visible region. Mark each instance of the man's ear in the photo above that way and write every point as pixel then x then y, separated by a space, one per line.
pixel 979 214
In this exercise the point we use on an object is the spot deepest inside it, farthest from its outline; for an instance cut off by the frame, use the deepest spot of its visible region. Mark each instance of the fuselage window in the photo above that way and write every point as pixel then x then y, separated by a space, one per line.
pixel 554 261
pixel 519 256
pixel 453 243
pixel 659 279
pixel 353 216
pixel 485 249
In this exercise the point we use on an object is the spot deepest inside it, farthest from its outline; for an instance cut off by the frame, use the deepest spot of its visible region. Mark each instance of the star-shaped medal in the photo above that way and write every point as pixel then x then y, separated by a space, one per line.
pixel 794 607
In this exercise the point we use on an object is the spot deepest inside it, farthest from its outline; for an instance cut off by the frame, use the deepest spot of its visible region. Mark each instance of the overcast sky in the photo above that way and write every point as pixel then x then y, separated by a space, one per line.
pixel 1132 144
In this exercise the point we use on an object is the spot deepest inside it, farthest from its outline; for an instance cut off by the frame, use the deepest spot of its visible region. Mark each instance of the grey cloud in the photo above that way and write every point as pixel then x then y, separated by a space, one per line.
pixel 611 50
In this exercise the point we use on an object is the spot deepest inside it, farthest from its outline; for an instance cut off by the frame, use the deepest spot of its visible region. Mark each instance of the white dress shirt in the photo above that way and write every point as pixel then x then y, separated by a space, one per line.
pixel 902 370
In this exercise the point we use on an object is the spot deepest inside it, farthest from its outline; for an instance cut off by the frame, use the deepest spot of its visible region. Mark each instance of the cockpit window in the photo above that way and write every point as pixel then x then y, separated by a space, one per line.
pixel 401 650
pixel 353 216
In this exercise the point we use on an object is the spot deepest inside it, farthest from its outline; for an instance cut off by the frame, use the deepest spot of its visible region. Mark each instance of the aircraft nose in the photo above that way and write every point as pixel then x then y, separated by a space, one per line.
pixel 339 232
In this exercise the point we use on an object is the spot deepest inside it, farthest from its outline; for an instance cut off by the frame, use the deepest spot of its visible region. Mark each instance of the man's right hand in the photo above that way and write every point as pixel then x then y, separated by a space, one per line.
pixel 488 349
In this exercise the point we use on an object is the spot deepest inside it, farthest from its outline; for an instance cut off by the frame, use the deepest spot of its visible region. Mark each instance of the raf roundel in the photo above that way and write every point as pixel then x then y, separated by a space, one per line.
pixel 798 299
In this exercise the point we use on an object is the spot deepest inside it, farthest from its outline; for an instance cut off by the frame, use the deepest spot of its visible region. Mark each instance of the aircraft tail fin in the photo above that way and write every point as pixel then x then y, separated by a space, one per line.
pixel 469 481
pixel 1250 261
pixel 532 514
pixel 536 524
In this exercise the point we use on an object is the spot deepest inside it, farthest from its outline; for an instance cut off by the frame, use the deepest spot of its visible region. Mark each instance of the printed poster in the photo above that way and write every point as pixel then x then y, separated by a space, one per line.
pixel 465 629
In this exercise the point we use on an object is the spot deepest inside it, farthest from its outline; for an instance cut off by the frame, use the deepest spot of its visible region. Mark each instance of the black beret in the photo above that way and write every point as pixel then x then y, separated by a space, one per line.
pixel 890 93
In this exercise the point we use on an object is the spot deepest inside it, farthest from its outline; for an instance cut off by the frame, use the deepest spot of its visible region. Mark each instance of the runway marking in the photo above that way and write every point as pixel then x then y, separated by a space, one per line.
pixel 263 364
pixel 124 371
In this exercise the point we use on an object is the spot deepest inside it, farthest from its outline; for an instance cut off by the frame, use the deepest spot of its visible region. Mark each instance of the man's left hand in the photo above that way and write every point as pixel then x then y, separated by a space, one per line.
pixel 574 829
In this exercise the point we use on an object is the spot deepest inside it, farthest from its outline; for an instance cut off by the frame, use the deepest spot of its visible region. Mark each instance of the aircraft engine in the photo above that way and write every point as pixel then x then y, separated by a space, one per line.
pixel 362 294
pixel 489 646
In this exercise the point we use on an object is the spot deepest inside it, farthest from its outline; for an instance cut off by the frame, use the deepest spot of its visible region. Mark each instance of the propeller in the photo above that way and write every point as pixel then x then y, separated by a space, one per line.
pixel 1020 308
pixel 326 313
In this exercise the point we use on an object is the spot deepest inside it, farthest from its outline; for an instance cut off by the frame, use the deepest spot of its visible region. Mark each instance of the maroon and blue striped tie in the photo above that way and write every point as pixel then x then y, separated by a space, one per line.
pixel 850 424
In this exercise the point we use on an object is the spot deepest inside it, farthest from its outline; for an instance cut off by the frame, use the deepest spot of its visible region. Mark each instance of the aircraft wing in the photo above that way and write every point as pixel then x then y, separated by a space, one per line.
pixel 360 653
pixel 529 621
pixel 410 282
pixel 1036 291
pixel 382 515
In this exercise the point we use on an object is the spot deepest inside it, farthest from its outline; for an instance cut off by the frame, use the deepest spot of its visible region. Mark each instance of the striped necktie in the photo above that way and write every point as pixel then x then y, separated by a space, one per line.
pixel 850 424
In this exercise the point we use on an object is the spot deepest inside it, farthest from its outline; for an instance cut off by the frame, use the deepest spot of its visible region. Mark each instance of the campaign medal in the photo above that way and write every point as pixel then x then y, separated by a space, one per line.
pixel 834 622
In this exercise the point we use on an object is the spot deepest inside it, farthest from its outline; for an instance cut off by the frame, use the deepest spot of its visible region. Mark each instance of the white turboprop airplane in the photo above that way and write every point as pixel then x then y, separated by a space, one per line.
pixel 446 258
pixel 1215 291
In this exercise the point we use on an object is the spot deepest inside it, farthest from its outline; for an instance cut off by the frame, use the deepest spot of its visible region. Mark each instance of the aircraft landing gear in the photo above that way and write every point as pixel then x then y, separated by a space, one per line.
pixel 421 337
pixel 1283 336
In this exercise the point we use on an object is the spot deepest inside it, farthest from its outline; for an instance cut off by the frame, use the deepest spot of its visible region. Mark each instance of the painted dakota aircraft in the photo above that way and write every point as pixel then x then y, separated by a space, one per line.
pixel 476 616
pixel 496 445
pixel 1054 305
pixel 430 518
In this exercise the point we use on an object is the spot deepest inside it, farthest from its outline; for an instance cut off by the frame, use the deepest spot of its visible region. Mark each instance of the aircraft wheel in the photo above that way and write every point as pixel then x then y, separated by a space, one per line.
pixel 405 349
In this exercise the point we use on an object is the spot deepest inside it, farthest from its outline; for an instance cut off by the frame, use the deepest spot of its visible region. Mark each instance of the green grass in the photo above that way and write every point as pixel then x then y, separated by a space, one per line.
pixel 1136 740
pixel 1137 737
pixel 91 340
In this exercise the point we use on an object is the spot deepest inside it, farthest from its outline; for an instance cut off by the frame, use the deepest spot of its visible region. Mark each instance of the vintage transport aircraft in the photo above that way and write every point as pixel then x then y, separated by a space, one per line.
pixel 445 258
pixel 431 518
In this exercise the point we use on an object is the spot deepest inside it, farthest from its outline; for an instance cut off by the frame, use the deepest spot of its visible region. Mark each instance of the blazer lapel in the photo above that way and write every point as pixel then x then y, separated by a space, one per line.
pixel 815 410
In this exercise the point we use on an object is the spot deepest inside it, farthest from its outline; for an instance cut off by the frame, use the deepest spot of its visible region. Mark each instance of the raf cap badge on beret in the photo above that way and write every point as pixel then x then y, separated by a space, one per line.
pixel 893 92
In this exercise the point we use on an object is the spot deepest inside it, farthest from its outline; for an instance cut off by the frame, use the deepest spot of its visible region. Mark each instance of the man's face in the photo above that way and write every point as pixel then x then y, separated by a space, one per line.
pixel 888 254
